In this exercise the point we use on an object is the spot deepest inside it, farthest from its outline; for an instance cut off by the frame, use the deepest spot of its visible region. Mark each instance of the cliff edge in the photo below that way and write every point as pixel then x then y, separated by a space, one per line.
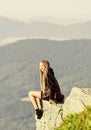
pixel 54 115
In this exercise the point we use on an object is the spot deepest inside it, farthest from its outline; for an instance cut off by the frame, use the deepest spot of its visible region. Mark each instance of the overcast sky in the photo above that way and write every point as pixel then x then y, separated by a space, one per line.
pixel 27 9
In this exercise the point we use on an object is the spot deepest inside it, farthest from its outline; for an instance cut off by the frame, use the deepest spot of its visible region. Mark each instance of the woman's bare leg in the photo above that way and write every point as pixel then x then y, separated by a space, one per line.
pixel 33 95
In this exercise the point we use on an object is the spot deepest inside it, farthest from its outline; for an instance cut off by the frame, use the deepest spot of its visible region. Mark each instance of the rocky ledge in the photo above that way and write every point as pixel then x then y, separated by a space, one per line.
pixel 54 115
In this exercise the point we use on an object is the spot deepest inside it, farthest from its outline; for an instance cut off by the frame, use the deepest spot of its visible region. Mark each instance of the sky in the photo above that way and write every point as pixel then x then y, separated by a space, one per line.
pixel 28 9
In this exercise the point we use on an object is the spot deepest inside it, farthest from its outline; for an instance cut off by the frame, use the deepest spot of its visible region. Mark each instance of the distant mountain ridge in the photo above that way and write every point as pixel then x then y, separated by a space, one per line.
pixel 10 28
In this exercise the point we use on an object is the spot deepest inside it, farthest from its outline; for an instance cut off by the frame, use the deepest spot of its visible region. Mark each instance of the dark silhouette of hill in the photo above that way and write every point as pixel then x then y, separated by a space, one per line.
pixel 19 73
pixel 10 28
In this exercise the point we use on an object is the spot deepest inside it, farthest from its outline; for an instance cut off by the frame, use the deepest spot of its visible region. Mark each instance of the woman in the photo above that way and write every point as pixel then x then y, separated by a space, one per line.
pixel 50 89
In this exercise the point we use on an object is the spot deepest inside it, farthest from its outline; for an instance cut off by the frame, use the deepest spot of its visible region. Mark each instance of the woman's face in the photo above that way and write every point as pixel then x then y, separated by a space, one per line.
pixel 42 67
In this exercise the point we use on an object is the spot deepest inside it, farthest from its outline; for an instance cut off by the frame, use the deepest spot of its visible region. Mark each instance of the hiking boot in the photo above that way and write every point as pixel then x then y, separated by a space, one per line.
pixel 39 113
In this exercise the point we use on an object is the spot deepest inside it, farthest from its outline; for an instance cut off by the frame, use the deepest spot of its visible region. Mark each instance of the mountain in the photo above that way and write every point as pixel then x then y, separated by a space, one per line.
pixel 35 29
pixel 60 21
pixel 19 74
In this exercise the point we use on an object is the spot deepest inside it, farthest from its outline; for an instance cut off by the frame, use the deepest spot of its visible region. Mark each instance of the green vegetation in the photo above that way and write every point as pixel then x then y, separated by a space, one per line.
pixel 77 121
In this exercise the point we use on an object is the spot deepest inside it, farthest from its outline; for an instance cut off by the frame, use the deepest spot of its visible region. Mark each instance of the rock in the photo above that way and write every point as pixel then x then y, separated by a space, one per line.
pixel 54 114
pixel 51 117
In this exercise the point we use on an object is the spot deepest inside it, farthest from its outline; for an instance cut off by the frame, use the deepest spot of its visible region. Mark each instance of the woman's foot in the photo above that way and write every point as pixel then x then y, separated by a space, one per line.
pixel 39 113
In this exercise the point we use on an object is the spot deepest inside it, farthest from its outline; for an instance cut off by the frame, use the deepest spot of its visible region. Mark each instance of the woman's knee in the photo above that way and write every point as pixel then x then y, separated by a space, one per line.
pixel 36 94
pixel 30 94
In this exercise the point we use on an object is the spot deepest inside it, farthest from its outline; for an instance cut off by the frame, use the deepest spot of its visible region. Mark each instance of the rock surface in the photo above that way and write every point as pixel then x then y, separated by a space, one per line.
pixel 54 114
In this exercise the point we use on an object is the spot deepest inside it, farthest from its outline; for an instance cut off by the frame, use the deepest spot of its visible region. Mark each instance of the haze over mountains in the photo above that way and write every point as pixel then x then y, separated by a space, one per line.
pixel 10 29
pixel 19 64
